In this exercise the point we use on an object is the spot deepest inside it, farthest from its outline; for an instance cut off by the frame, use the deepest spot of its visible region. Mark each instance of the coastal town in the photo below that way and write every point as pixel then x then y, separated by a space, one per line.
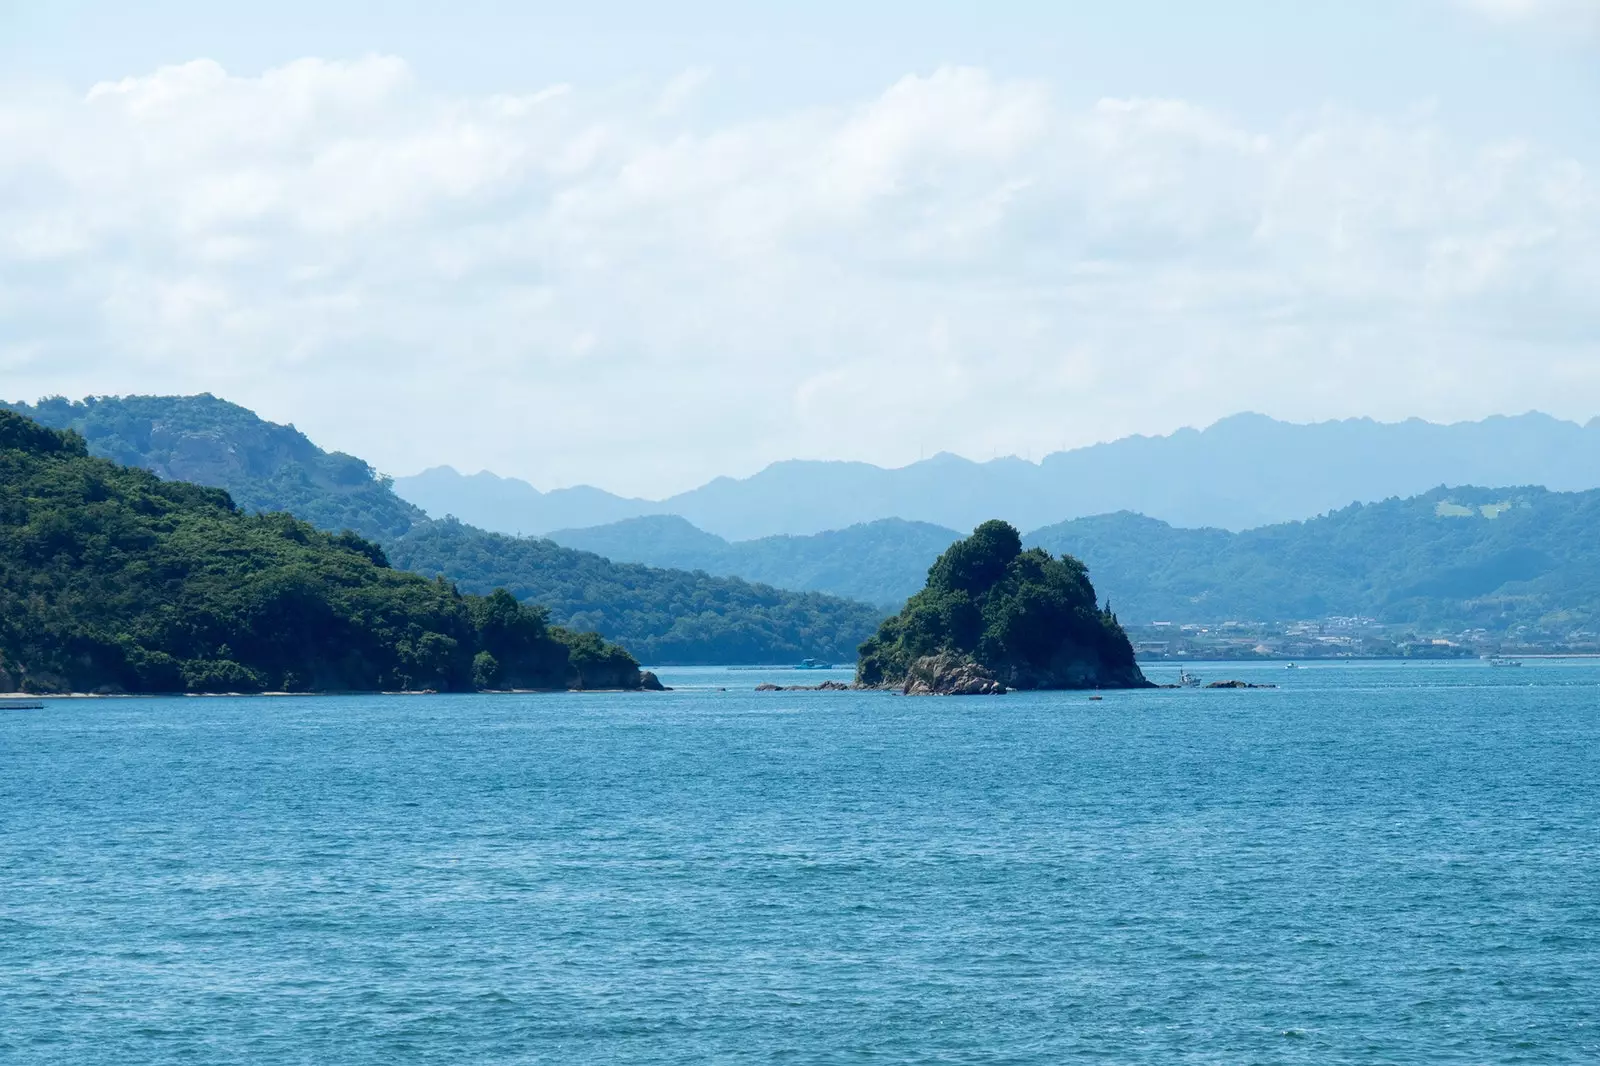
pixel 1344 637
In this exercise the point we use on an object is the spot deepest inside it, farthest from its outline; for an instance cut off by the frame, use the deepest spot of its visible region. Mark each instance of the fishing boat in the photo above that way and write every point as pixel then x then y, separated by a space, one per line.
pixel 1186 679
pixel 814 664
pixel 1497 661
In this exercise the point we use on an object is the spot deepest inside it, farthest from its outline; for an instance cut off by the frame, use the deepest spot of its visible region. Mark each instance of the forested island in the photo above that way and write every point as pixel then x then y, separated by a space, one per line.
pixel 115 580
pixel 659 615
pixel 994 616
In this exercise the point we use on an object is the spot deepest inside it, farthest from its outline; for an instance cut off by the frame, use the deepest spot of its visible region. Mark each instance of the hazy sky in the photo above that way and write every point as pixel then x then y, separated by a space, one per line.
pixel 640 244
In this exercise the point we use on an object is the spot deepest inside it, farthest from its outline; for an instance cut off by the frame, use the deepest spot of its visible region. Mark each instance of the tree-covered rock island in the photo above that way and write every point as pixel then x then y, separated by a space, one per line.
pixel 992 617
pixel 113 580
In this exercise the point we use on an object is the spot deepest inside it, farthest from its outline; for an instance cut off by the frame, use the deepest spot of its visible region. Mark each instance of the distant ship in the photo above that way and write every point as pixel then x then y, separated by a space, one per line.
pixel 1497 661
pixel 814 664
pixel 1186 679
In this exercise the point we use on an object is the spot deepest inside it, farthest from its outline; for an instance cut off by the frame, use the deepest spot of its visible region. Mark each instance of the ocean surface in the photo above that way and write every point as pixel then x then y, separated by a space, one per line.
pixel 1373 863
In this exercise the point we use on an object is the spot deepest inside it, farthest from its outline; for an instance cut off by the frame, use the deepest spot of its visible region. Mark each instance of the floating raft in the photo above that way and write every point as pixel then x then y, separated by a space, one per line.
pixel 20 705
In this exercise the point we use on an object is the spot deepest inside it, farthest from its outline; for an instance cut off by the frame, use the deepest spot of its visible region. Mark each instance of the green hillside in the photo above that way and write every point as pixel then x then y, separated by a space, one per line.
pixel 661 615
pixel 114 580
pixel 1467 557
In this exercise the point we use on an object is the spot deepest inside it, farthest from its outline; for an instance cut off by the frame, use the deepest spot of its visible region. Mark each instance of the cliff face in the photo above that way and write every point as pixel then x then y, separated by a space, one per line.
pixel 949 674
pixel 993 616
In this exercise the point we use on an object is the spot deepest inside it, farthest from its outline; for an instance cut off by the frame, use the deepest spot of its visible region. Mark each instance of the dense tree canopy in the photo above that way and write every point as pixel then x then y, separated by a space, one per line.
pixel 662 616
pixel 112 579
pixel 1027 617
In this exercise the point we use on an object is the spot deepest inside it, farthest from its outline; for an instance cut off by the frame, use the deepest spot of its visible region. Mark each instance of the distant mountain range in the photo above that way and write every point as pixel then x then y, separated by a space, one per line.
pixel 1457 557
pixel 1242 472
pixel 670 591
pixel 507 505
pixel 660 615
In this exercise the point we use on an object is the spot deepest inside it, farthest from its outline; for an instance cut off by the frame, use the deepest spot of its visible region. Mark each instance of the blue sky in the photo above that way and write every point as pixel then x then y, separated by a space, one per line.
pixel 639 245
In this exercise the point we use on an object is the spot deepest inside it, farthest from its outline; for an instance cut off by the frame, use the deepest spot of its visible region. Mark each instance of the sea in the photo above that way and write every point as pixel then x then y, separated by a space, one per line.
pixel 1370 863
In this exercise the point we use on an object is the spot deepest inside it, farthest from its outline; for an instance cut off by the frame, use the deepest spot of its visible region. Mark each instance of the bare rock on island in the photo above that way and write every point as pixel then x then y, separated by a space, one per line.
pixel 948 674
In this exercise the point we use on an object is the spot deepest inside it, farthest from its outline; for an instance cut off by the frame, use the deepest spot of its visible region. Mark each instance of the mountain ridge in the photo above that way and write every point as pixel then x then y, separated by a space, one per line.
pixel 1243 471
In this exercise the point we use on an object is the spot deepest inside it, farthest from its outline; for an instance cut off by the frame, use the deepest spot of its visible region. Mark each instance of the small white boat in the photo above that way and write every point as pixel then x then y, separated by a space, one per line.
pixel 1186 679
pixel 1497 661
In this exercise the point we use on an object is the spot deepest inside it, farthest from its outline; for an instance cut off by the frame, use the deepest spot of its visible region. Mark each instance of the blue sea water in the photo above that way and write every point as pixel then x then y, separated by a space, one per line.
pixel 1374 863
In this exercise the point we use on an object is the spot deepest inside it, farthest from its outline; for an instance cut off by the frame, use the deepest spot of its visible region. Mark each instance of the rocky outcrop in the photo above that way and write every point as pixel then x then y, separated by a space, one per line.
pixel 826 686
pixel 1237 684
pixel 650 682
pixel 948 674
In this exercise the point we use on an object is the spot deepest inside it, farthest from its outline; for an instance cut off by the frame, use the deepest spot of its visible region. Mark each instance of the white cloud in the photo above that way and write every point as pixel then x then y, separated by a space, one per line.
pixel 576 285
pixel 1583 15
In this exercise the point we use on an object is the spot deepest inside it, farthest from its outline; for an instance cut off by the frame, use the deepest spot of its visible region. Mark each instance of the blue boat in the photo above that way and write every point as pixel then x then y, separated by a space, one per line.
pixel 814 664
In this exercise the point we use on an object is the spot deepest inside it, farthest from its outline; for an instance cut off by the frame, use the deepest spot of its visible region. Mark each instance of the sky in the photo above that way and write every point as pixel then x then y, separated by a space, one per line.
pixel 640 245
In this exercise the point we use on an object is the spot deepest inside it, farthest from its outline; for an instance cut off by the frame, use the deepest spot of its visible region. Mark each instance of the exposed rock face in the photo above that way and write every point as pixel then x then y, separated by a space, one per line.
pixel 826 686
pixel 1237 684
pixel 948 674
pixel 650 682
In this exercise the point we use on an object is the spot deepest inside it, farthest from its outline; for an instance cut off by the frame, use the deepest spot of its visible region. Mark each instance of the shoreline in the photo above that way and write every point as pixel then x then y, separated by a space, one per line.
pixel 18 697
pixel 30 697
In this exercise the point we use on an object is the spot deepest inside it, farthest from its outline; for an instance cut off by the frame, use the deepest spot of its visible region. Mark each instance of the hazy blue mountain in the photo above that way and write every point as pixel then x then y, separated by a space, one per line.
pixel 654 540
pixel 1494 558
pixel 1242 472
pixel 661 615
pixel 507 505
pixel 881 562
